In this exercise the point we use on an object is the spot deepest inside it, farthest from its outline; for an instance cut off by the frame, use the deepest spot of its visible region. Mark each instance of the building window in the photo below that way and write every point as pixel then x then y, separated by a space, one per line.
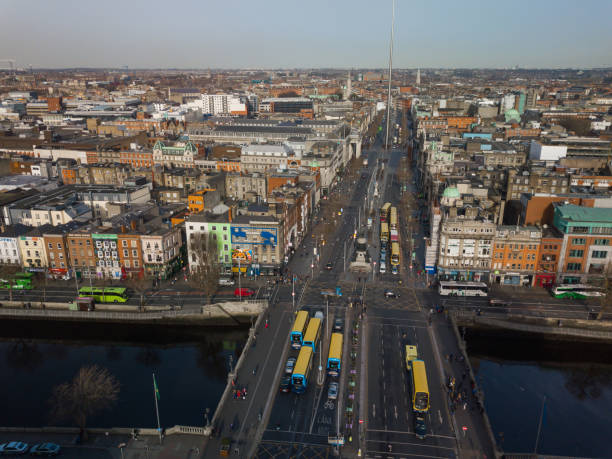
pixel 124 243
pixel 136 264
pixel 576 253
pixel 580 229
pixel 600 254
pixel 50 245
pixel 574 266
pixel 578 241
pixel 601 242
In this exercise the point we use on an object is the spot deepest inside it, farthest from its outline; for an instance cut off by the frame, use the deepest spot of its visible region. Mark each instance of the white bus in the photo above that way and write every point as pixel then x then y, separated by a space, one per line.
pixel 577 291
pixel 454 288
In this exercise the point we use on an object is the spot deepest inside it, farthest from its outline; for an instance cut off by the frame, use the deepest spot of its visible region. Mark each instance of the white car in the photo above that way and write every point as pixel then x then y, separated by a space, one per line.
pixel 383 268
pixel 226 281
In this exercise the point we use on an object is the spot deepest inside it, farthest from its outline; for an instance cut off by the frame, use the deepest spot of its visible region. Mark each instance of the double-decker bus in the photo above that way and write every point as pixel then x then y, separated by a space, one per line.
pixel 393 218
pixel 577 291
pixel 384 233
pixel 420 390
pixel 454 288
pixel 297 332
pixel 105 294
pixel 334 359
pixel 395 254
pixel 313 333
pixel 301 371
pixel 384 212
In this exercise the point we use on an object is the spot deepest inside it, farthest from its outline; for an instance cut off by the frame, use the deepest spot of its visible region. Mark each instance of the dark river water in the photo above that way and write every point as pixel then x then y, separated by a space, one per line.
pixel 190 367
pixel 566 385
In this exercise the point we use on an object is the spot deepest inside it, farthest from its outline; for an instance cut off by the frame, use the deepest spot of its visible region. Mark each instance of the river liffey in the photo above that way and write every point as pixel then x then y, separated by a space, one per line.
pixel 566 387
pixel 190 367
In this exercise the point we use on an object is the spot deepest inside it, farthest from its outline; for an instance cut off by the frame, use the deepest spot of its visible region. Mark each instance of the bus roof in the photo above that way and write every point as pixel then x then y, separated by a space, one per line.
pixel 335 346
pixel 395 246
pixel 300 321
pixel 419 376
pixel 384 227
pixel 313 327
pixel 411 354
pixel 304 357
pixel 386 206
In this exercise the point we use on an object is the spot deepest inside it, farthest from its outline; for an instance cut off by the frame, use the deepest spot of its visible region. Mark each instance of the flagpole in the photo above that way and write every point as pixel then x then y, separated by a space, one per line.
pixel 156 397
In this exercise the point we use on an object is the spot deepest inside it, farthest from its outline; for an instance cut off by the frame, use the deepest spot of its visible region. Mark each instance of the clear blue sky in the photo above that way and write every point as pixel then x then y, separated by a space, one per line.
pixel 306 33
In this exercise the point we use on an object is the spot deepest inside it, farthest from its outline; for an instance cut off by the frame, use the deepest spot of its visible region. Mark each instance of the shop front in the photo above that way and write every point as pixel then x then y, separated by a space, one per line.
pixel 546 280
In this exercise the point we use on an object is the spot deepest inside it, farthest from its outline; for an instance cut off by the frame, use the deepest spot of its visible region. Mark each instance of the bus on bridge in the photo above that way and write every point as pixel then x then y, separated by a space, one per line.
pixel 299 327
pixel 302 369
pixel 420 389
pixel 334 359
pixel 313 334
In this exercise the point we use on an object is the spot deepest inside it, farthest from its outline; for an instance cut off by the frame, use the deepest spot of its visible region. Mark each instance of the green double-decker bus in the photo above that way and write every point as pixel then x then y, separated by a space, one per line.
pixel 105 294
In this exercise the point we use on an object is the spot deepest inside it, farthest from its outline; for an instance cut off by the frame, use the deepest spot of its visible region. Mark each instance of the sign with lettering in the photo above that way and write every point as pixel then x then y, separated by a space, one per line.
pixel 254 235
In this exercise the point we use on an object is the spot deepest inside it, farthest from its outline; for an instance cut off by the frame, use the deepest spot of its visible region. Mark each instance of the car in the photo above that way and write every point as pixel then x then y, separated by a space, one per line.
pixel 285 384
pixel 290 365
pixel 332 392
pixel 383 267
pixel 420 428
pixel 226 281
pixel 45 449
pixel 13 447
pixel 319 315
pixel 391 294
pixel 338 324
pixel 242 292
pixel 329 266
pixel 394 269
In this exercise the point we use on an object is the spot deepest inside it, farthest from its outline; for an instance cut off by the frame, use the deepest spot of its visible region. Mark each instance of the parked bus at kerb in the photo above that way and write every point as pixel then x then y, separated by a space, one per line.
pixel 454 288
pixel 577 291
pixel 384 233
pixel 334 359
pixel 384 212
pixel 395 254
pixel 313 334
pixel 105 294
pixel 299 327
pixel 393 218
pixel 301 370
pixel 420 389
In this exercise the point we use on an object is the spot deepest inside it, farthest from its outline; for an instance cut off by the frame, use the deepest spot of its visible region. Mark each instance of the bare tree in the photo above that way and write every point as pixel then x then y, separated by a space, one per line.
pixel 605 301
pixel 93 389
pixel 140 285
pixel 204 264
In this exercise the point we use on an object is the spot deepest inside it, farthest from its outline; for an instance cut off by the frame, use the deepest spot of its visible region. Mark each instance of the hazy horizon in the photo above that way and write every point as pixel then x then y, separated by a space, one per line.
pixel 474 34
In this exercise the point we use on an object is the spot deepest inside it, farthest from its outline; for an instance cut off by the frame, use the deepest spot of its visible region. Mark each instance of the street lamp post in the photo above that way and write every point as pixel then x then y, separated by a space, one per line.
pixel 239 272
pixel 374 272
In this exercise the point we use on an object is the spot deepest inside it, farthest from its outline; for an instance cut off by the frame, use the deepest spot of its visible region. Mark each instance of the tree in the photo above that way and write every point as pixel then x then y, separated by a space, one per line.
pixel 204 263
pixel 93 389
pixel 605 301
pixel 140 285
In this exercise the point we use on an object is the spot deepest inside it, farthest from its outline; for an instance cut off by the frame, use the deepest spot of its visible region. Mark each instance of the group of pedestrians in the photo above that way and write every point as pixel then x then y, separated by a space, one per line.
pixel 461 393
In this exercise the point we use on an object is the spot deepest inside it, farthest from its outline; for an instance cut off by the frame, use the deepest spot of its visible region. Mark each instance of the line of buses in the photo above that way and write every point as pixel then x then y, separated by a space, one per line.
pixel 389 238
pixel 305 337
pixel 420 390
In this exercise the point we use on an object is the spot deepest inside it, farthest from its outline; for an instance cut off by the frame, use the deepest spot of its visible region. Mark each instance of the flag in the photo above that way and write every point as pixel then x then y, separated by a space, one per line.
pixel 155 389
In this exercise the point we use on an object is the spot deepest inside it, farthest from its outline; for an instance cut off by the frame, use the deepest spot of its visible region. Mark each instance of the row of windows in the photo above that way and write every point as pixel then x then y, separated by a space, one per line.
pixel 514 266
pixel 517 246
pixel 516 256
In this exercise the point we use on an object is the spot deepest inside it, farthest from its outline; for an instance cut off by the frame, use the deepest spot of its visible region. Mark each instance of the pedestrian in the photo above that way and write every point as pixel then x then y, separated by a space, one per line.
pixel 465 405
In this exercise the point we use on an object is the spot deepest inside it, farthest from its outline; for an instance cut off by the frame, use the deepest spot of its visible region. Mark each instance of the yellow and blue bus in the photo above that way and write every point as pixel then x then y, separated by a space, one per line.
pixel 334 358
pixel 393 218
pixel 313 333
pixel 420 389
pixel 384 212
pixel 384 233
pixel 301 371
pixel 297 332
pixel 105 294
pixel 395 254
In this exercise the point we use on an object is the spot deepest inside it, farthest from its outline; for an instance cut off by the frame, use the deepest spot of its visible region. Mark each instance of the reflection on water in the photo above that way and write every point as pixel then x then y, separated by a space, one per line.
pixel 191 374
pixel 575 415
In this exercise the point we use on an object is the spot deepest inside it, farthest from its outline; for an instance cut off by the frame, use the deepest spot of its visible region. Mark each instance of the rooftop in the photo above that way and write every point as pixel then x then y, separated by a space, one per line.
pixel 575 213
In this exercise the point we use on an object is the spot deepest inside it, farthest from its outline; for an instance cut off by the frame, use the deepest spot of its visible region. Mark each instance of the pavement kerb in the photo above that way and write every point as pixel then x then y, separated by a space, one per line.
pixel 479 393
pixel 232 375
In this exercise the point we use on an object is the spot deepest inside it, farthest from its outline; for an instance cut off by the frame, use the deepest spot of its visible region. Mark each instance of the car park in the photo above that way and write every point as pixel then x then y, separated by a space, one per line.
pixel 332 392
pixel 45 449
pixel 290 365
pixel 391 294
pixel 13 448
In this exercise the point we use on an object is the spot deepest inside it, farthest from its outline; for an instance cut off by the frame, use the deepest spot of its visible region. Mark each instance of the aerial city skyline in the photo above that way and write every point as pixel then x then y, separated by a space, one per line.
pixel 305 229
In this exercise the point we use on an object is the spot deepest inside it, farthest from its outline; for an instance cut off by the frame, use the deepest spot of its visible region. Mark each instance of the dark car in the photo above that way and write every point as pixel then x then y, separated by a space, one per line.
pixel 338 324
pixel 329 266
pixel 45 449
pixel 420 428
pixel 285 384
